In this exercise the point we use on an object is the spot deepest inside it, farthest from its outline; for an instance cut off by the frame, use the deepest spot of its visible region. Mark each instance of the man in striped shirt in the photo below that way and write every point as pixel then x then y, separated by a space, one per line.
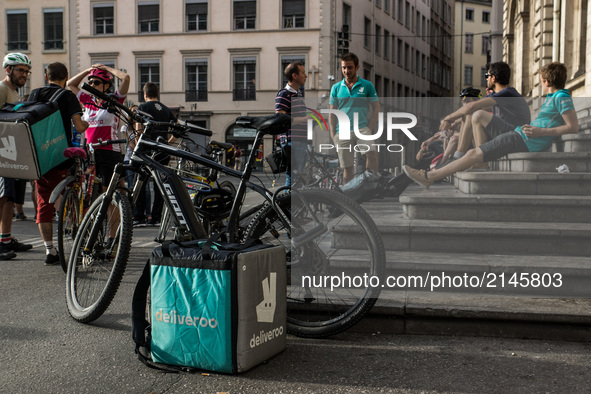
pixel 290 101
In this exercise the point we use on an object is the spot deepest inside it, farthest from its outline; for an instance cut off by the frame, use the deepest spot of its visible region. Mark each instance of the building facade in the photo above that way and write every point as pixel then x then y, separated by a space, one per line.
pixel 473 26
pixel 538 32
pixel 442 48
pixel 39 30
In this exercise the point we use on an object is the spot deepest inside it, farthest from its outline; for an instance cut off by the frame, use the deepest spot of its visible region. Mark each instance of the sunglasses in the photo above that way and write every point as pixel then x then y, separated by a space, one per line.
pixel 95 82
pixel 487 75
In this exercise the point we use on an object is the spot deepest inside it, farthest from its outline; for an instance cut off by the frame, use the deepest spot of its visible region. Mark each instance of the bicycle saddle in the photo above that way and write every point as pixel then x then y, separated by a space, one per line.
pixel 273 124
pixel 74 152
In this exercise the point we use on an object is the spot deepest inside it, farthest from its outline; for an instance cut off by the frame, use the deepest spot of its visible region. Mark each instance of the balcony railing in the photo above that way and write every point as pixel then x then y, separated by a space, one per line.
pixel 195 95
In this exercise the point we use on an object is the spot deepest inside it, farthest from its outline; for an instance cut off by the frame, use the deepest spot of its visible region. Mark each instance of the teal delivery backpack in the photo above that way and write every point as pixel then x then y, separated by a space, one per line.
pixel 212 306
pixel 32 137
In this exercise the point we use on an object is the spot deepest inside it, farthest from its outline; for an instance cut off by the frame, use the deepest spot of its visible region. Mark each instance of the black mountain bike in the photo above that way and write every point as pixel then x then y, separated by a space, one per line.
pixel 327 236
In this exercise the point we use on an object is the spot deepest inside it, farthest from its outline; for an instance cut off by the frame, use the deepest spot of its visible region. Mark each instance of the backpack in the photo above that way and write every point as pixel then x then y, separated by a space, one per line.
pixel 32 137
pixel 214 306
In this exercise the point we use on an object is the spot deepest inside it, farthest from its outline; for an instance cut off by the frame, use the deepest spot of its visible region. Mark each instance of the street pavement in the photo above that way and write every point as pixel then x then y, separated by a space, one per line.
pixel 44 350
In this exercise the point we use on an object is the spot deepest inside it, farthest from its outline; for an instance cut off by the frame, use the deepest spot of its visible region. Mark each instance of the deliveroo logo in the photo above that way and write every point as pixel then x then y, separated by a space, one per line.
pixel 266 309
pixel 8 151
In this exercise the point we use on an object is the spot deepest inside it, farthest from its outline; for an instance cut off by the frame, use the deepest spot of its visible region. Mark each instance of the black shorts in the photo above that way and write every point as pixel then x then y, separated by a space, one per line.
pixel 502 145
pixel 106 160
pixel 496 127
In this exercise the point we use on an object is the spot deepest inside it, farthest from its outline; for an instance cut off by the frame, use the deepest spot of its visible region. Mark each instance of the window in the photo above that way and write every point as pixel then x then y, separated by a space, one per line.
pixel 386 44
pixel 17 30
pixel 148 16
pixel 485 44
pixel 467 75
pixel 379 3
pixel 367 33
pixel 469 14
pixel 469 43
pixel 53 29
pixel 103 19
pixel 245 13
pixel 244 78
pixel 417 63
pixel 346 14
pixel 418 23
pixel 424 66
pixel 196 14
pixel 148 71
pixel 483 72
pixel 407 15
pixel 387 6
pixel 400 10
pixel 378 38
pixel 407 58
pixel 294 13
pixel 485 16
pixel 399 57
pixel 378 84
pixel 285 60
pixel 386 92
pixel 196 74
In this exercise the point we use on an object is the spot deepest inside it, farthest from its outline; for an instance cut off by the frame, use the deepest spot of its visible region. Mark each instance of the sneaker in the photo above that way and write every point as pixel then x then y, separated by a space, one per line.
pixel 419 176
pixel 20 217
pixel 7 256
pixel 14 246
pixel 153 223
pixel 52 259
pixel 139 223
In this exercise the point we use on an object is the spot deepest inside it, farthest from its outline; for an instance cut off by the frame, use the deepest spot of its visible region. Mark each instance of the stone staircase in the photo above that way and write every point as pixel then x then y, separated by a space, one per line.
pixel 520 216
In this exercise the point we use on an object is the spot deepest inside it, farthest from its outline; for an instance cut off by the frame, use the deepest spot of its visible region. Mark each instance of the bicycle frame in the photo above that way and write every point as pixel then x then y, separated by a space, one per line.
pixel 174 191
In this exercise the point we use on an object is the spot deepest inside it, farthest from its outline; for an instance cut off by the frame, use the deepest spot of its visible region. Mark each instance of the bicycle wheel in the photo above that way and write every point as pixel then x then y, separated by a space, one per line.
pixel 350 251
pixel 94 277
pixel 229 186
pixel 67 225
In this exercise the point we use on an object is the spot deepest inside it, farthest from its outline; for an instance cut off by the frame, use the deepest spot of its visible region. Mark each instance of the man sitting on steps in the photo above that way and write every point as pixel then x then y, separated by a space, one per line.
pixel 557 116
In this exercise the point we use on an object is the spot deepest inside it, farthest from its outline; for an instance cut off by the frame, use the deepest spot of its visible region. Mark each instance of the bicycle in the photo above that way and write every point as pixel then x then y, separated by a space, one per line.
pixel 78 190
pixel 304 221
pixel 210 197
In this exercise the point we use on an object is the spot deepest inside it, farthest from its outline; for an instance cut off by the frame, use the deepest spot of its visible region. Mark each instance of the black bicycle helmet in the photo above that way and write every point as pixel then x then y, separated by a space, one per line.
pixel 470 92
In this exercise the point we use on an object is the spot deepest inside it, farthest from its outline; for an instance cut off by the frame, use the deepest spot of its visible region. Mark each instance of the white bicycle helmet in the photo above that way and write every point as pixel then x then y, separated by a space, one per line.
pixel 15 59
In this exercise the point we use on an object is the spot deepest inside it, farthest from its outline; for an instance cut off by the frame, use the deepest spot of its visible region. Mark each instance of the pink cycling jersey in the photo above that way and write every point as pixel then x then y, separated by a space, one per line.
pixel 102 123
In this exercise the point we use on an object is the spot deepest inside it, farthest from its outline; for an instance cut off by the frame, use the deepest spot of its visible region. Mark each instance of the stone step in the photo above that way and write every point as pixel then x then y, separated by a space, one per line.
pixel 562 276
pixel 532 183
pixel 450 204
pixel 580 142
pixel 507 238
pixel 544 162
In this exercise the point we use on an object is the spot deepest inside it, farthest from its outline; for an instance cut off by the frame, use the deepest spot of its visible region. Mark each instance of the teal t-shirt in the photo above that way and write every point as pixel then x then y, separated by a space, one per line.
pixel 352 101
pixel 550 115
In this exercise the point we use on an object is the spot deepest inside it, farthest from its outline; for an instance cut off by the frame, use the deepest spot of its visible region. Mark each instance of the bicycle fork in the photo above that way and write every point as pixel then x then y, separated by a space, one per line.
pixel 104 209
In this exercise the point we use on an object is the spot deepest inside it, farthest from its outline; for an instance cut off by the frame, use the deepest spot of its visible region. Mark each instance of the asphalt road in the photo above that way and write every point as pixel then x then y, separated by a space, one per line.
pixel 42 349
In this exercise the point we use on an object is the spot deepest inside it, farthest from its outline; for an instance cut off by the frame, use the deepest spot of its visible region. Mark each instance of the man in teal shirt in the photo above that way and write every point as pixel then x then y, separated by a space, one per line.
pixel 354 95
pixel 556 117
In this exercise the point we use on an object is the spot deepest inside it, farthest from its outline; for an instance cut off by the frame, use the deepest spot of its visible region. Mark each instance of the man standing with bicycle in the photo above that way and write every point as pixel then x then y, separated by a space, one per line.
pixel 56 74
pixel 18 69
pixel 161 113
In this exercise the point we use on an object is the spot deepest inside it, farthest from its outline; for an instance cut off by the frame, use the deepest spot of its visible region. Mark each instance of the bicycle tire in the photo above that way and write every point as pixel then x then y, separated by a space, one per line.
pixel 319 311
pixel 67 225
pixel 93 279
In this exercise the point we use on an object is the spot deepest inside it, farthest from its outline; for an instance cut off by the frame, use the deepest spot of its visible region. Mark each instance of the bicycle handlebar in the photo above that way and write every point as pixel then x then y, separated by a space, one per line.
pixel 182 127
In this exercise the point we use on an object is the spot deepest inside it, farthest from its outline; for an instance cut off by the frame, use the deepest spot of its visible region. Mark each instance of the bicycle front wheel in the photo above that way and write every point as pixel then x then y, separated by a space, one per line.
pixel 67 225
pixel 349 251
pixel 93 277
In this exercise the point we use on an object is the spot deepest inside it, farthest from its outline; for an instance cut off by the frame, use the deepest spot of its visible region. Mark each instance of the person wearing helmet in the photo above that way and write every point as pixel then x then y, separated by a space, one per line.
pixel 18 69
pixel 103 124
